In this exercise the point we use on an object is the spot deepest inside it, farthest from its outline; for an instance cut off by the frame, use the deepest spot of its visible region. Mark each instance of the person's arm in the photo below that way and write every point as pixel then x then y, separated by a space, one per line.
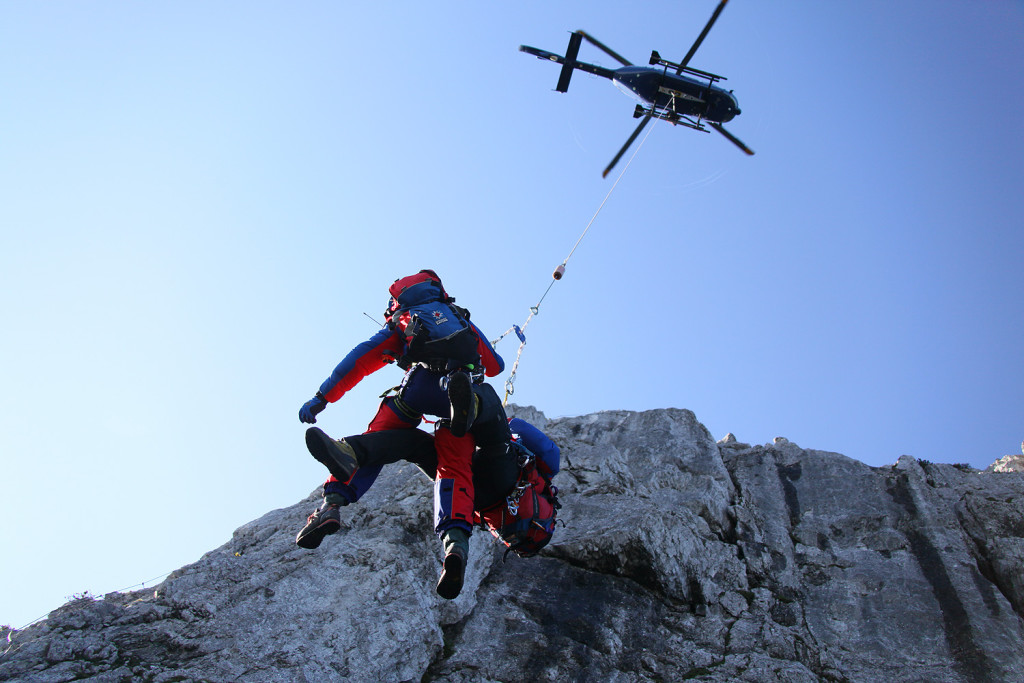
pixel 366 358
pixel 539 444
pixel 363 360
pixel 492 362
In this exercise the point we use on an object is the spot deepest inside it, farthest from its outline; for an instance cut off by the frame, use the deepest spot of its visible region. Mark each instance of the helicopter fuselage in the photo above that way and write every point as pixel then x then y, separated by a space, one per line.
pixel 673 92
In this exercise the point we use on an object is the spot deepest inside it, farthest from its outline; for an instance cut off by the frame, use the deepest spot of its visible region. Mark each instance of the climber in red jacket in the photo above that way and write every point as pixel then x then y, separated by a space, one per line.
pixel 446 358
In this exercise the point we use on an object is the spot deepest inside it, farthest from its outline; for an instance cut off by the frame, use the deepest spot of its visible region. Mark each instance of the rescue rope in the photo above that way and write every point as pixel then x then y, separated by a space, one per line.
pixel 557 275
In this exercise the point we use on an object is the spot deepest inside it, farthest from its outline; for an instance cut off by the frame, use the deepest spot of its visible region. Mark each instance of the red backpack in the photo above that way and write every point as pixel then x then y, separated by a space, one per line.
pixel 525 520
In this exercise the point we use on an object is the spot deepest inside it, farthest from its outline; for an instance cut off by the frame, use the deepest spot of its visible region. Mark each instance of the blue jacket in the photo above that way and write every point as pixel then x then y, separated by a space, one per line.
pixel 385 347
pixel 539 444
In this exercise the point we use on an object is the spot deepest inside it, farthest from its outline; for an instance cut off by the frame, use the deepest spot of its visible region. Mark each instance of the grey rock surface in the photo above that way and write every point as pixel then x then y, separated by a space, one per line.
pixel 680 559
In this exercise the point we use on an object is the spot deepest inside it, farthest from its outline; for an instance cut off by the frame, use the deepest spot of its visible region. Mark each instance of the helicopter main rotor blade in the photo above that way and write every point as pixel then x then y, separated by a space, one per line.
pixel 731 138
pixel 628 143
pixel 700 38
pixel 604 48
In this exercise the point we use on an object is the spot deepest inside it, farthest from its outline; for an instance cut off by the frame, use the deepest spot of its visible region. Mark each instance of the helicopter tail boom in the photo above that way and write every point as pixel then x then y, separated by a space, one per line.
pixel 568 62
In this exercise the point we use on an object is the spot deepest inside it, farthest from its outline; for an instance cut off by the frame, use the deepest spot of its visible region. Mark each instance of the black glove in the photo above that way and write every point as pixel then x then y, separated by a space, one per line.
pixel 311 408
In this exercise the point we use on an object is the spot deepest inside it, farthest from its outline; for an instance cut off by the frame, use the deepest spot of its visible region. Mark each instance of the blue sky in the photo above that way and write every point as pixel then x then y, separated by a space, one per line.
pixel 200 202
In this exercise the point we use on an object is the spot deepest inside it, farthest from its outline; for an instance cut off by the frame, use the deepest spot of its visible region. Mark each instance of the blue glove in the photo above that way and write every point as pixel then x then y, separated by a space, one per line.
pixel 311 408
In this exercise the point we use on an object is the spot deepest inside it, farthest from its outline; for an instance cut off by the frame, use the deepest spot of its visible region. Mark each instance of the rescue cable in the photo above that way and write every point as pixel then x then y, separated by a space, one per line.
pixel 558 274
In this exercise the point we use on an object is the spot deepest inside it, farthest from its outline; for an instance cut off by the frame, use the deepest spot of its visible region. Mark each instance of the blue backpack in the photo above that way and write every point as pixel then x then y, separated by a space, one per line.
pixel 436 332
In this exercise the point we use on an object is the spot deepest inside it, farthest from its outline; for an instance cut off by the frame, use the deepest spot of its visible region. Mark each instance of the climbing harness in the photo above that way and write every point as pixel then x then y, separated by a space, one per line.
pixel 557 275
pixel 524 461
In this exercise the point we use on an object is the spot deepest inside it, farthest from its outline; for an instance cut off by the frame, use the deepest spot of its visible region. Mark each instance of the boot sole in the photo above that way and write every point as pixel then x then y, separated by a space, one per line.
pixel 311 539
pixel 453 574
pixel 460 393
pixel 323 448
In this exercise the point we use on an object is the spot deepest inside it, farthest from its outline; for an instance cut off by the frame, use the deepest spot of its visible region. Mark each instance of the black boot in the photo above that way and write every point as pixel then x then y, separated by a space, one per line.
pixel 464 403
pixel 324 521
pixel 336 455
pixel 453 570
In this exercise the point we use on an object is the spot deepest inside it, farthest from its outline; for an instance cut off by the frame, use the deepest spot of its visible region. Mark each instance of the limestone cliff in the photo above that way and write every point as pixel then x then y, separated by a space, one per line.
pixel 680 559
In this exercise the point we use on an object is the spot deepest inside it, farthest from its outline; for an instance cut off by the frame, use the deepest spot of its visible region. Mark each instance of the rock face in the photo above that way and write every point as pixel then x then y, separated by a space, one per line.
pixel 680 559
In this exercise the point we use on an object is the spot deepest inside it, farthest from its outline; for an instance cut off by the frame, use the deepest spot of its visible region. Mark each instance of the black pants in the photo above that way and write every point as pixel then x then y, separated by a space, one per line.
pixel 495 470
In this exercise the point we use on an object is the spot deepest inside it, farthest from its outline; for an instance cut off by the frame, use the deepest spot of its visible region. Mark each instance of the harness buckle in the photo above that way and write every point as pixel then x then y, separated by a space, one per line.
pixel 512 500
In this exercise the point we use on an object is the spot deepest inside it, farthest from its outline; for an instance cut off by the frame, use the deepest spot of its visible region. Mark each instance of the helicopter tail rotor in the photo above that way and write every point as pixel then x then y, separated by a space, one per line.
pixel 570 62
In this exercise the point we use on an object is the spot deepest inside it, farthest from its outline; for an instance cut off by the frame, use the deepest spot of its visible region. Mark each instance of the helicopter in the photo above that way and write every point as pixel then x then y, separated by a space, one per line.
pixel 686 97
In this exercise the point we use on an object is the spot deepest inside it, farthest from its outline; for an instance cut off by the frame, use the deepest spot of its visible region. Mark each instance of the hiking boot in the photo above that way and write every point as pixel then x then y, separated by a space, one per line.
pixel 324 521
pixel 453 569
pixel 336 455
pixel 465 403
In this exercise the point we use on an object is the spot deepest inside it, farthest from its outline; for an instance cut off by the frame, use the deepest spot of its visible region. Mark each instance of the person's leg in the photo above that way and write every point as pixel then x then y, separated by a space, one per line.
pixel 361 459
pixel 490 428
pixel 376 449
pixel 424 392
pixel 464 402
pixel 453 507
